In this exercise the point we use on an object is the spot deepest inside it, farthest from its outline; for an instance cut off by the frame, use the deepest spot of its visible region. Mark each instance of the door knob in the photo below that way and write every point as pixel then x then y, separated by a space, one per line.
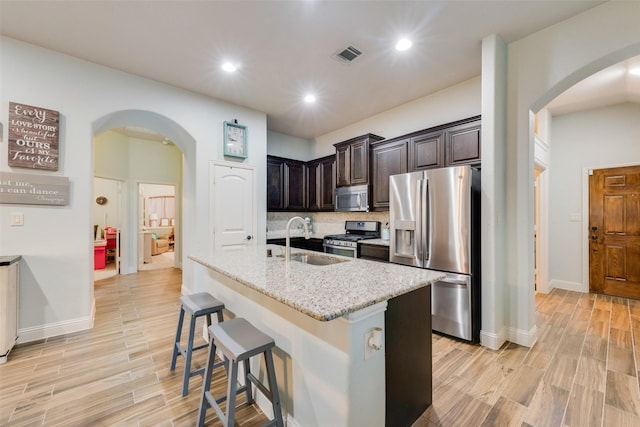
pixel 594 228
pixel 594 237
pixel 248 237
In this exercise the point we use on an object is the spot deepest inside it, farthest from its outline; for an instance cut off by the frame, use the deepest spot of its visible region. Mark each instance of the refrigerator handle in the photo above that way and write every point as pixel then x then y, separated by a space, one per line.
pixel 426 221
pixel 418 227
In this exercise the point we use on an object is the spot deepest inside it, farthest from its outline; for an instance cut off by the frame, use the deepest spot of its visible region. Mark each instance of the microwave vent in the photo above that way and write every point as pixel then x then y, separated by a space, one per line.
pixel 348 54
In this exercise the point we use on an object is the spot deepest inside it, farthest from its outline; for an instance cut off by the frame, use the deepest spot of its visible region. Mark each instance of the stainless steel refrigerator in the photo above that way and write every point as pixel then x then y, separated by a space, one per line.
pixel 434 217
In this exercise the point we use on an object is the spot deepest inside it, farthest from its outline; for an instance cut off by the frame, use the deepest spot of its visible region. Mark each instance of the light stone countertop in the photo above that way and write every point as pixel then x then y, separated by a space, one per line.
pixel 321 292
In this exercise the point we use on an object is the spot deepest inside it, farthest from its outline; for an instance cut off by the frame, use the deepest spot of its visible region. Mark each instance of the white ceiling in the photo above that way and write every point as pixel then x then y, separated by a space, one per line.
pixel 285 47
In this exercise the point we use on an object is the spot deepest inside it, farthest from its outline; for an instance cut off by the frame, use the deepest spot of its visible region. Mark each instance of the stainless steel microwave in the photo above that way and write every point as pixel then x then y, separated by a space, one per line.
pixel 352 199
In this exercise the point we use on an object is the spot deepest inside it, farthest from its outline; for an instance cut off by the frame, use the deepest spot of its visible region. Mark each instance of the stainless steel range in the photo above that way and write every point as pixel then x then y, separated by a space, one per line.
pixel 347 244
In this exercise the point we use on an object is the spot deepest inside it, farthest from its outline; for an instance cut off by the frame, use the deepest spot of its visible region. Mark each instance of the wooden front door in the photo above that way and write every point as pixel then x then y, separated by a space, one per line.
pixel 614 231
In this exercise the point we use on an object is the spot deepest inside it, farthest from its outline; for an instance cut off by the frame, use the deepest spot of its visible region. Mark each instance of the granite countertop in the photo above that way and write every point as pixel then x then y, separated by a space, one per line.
pixel 321 292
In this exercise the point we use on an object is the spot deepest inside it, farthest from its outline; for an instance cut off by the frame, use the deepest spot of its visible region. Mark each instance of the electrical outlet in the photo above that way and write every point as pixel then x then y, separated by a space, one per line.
pixel 368 350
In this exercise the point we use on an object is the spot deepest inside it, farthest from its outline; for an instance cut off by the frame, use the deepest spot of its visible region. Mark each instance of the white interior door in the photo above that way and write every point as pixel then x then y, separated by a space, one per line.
pixel 233 199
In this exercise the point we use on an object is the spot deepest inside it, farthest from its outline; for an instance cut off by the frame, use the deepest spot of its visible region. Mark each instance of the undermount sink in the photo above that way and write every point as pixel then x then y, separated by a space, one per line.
pixel 316 259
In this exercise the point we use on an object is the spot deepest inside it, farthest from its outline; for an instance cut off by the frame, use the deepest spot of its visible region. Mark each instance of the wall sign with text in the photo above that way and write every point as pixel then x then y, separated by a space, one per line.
pixel 33 137
pixel 23 189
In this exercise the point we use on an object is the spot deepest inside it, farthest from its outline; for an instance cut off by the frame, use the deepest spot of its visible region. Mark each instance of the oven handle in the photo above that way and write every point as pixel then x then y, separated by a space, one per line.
pixel 327 250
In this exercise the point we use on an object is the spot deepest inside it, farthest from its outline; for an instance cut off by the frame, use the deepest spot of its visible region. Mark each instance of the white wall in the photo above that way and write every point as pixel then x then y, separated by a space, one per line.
pixel 597 138
pixel 454 103
pixel 56 281
pixel 279 144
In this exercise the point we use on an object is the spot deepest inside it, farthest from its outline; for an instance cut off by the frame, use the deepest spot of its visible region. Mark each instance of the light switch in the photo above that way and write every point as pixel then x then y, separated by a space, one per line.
pixel 17 219
pixel 575 217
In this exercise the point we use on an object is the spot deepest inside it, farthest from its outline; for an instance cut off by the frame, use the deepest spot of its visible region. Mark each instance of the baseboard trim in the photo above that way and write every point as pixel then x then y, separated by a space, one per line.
pixel 49 330
pixel 493 340
pixel 522 337
pixel 568 286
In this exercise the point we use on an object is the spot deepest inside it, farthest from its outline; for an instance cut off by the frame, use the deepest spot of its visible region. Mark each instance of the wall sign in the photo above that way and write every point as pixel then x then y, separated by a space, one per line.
pixel 33 137
pixel 23 189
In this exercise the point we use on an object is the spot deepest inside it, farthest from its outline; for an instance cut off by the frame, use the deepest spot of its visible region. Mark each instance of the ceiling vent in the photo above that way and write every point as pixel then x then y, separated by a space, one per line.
pixel 348 55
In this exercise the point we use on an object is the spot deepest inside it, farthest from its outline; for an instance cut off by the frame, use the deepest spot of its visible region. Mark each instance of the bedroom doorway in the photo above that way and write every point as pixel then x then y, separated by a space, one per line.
pixel 156 226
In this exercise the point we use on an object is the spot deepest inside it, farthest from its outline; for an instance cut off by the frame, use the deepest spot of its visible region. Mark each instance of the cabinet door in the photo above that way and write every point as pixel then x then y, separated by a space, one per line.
pixel 275 184
pixel 343 160
pixel 463 144
pixel 327 183
pixel 386 159
pixel 294 185
pixel 360 162
pixel 426 151
pixel 314 184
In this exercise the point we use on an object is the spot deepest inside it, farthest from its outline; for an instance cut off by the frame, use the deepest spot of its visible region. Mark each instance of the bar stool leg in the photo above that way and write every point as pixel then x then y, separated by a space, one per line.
pixel 174 357
pixel 231 394
pixel 247 383
pixel 187 362
pixel 273 388
pixel 206 386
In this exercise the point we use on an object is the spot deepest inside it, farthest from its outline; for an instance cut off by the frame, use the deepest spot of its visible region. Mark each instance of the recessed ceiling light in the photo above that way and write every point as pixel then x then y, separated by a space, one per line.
pixel 635 71
pixel 310 98
pixel 229 67
pixel 403 44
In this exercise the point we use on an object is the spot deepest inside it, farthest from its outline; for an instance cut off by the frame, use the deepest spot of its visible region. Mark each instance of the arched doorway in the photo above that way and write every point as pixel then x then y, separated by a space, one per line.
pixel 594 127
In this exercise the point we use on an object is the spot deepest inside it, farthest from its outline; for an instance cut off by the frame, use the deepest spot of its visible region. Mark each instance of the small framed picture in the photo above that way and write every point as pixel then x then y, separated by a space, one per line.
pixel 235 140
pixel 164 222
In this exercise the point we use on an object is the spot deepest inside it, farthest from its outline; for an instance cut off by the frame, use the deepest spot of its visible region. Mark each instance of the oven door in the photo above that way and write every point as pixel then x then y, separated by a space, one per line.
pixel 340 250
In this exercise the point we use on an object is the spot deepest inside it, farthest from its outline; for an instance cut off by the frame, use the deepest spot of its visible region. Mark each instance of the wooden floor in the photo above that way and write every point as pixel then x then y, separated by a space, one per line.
pixel 118 372
pixel 582 371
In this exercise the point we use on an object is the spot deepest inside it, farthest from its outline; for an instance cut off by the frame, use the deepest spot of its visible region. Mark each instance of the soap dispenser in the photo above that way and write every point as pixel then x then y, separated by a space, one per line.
pixel 307 220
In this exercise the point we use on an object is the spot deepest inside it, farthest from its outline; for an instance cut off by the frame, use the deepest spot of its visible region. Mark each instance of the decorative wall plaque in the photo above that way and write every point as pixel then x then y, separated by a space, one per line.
pixel 33 137
pixel 23 189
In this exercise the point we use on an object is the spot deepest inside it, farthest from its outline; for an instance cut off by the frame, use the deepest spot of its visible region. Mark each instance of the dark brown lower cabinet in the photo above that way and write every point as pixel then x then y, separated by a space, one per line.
pixel 408 357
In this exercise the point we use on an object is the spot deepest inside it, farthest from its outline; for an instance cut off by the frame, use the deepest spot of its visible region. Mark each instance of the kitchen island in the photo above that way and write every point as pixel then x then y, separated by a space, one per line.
pixel 321 318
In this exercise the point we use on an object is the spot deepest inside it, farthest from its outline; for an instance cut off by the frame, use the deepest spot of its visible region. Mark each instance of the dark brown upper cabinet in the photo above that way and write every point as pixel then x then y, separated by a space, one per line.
pixel 462 144
pixel 387 158
pixel 275 183
pixel 286 184
pixel 352 160
pixel 426 151
pixel 293 185
pixel 321 182
pixel 327 183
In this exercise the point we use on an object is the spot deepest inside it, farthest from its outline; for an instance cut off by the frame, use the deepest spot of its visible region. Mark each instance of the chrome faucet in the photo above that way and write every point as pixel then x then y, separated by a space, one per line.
pixel 287 240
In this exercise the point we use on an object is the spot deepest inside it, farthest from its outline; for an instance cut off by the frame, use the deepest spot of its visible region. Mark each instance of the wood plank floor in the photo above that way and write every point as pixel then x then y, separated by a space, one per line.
pixel 583 371
pixel 118 372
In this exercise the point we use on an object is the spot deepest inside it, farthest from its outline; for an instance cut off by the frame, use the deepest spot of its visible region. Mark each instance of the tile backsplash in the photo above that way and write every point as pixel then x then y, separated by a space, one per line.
pixel 323 222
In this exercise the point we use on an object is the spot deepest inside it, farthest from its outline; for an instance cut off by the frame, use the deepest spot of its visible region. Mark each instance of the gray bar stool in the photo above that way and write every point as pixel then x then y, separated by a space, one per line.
pixel 239 340
pixel 199 304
